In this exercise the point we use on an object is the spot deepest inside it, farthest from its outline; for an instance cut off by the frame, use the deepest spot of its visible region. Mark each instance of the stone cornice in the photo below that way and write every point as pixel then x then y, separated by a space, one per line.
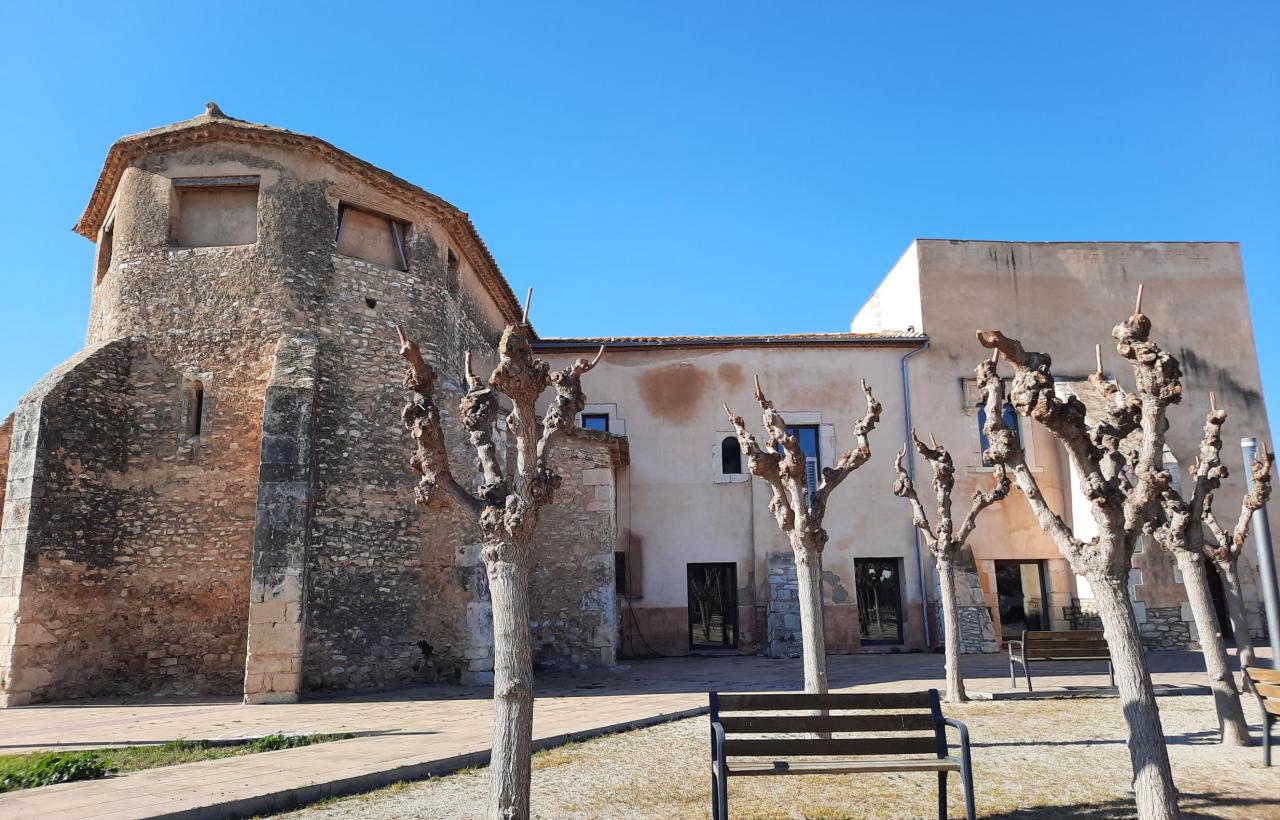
pixel 214 126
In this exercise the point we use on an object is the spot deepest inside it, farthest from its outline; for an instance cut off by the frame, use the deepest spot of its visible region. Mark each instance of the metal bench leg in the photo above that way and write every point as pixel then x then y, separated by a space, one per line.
pixel 1026 667
pixel 1013 681
pixel 966 774
pixel 942 796
pixel 715 796
pixel 1266 739
pixel 722 799
pixel 1111 674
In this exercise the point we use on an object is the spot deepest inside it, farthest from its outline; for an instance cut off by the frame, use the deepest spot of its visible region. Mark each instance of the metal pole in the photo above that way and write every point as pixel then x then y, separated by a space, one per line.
pixel 1266 558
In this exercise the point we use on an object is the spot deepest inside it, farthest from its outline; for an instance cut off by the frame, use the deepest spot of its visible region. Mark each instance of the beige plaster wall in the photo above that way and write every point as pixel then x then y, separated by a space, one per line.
pixel 673 510
pixel 1063 298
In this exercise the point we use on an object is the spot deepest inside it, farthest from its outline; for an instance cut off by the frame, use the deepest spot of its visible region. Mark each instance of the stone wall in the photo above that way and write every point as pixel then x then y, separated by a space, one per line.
pixel 395 592
pixel 1165 628
pixel 118 535
pixel 573 614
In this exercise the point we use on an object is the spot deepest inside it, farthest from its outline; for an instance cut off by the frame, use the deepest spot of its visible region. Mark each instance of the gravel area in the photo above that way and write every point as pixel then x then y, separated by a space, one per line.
pixel 1032 759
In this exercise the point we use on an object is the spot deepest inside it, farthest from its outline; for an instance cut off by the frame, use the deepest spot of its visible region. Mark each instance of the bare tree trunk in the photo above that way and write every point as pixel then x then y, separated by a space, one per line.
pixel 1226 700
pixel 951 629
pixel 813 638
pixel 1235 609
pixel 509 765
pixel 1153 788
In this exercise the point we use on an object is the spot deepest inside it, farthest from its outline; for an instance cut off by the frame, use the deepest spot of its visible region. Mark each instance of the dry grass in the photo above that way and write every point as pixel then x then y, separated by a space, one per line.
pixel 1032 759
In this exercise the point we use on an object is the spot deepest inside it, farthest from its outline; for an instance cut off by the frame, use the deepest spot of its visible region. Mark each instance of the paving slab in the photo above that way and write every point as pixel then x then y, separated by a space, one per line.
pixel 414 733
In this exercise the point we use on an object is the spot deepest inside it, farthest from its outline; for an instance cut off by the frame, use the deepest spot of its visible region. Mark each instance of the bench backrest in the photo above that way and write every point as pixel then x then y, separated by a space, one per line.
pixel 1266 682
pixel 912 722
pixel 1076 643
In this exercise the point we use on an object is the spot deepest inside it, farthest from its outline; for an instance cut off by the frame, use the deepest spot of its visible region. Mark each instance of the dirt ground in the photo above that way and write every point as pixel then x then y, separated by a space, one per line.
pixel 1032 759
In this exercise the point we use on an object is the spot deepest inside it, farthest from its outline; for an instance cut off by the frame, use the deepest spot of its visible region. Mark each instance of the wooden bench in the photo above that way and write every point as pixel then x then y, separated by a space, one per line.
pixel 1266 685
pixel 891 726
pixel 1071 645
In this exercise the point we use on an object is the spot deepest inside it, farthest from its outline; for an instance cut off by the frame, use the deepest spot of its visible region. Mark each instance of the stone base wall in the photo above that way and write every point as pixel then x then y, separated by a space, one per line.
pixel 1164 628
pixel 782 607
pixel 977 632
pixel 573 611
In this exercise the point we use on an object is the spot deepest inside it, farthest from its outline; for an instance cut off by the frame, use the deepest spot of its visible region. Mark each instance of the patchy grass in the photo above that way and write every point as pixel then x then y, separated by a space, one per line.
pixel 1032 759
pixel 27 771
pixel 557 756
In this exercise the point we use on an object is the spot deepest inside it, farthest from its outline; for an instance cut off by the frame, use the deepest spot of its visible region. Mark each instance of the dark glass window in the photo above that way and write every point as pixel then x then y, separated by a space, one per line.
pixel 730 456
pixel 596 421
pixel 879 600
pixel 1010 421
pixel 620 573
pixel 808 437
pixel 713 606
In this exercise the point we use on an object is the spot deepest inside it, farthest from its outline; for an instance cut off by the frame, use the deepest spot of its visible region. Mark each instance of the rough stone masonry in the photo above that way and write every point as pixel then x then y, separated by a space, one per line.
pixel 211 497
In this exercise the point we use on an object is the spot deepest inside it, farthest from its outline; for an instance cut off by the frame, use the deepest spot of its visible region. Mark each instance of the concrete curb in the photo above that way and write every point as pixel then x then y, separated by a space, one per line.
pixel 1161 691
pixel 297 797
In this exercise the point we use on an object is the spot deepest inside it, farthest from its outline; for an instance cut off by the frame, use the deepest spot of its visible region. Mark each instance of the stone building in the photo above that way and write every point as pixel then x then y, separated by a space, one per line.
pixel 213 495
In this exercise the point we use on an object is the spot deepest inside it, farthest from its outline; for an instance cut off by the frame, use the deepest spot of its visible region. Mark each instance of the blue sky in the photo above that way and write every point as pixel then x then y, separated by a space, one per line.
pixel 667 167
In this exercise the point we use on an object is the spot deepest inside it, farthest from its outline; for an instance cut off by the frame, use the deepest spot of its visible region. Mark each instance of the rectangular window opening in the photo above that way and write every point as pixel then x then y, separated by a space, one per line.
pixel 106 246
pixel 807 434
pixel 371 236
pixel 215 211
pixel 595 421
pixel 453 273
pixel 620 573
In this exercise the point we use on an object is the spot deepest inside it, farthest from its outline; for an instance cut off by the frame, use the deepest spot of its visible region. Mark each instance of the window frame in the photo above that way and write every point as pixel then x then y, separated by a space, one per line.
pixel 241 182
pixel 595 417
pixel 398 227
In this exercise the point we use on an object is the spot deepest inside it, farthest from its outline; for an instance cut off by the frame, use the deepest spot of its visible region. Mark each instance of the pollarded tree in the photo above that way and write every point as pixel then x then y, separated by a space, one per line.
pixel 799 512
pixel 1183 533
pixel 945 540
pixel 505 511
pixel 1191 532
pixel 1122 480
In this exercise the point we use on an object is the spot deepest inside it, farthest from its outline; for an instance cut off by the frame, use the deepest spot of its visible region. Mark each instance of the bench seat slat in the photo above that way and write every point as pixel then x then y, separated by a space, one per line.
pixel 1048 653
pixel 782 747
pixel 1261 675
pixel 1054 646
pixel 1268 690
pixel 781 701
pixel 842 766
pixel 1272 706
pixel 909 722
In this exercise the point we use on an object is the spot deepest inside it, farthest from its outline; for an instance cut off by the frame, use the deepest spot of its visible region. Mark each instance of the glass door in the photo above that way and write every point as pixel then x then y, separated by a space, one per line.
pixel 1020 590
pixel 713 606
pixel 879 584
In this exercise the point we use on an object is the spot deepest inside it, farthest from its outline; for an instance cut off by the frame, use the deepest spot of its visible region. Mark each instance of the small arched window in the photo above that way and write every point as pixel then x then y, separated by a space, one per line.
pixel 730 456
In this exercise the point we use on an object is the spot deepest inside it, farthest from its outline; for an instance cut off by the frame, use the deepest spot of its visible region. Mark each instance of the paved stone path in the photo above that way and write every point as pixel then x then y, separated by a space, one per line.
pixel 411 733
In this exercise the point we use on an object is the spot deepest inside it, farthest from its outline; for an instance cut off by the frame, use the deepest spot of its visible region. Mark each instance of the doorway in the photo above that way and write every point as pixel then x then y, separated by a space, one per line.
pixel 879 584
pixel 713 606
pixel 1020 590
pixel 1219 600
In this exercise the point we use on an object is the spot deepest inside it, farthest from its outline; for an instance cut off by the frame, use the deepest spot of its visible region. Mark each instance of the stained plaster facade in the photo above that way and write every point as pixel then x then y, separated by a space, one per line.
pixel 212 496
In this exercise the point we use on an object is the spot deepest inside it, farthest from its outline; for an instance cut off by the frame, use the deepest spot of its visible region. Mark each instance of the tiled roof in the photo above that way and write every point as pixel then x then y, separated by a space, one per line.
pixel 881 338
pixel 214 125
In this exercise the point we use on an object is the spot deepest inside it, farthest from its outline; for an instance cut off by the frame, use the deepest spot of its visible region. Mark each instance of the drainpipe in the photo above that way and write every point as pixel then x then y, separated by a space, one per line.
pixel 1266 558
pixel 911 472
